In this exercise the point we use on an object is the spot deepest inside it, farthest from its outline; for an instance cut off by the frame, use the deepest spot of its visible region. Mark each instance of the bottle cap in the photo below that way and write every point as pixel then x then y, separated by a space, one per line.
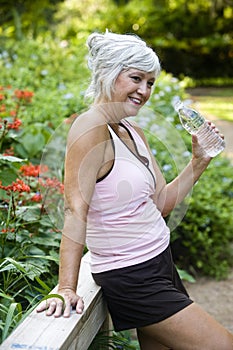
pixel 177 103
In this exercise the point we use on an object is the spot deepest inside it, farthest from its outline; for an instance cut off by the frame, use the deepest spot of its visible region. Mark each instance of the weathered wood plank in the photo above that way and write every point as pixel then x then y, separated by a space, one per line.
pixel 40 332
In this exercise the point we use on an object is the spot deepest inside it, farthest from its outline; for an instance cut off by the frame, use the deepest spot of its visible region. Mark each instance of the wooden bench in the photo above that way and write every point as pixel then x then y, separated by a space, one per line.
pixel 41 332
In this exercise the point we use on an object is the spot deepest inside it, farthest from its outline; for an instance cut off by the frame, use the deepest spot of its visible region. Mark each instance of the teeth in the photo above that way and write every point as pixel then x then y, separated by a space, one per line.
pixel 135 100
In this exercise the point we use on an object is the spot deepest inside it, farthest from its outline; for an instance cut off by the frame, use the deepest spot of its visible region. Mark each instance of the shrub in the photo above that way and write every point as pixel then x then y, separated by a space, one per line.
pixel 55 70
pixel 203 242
pixel 29 241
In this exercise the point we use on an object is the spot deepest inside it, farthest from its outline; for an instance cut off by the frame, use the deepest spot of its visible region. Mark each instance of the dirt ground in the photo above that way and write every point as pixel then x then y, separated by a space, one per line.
pixel 216 297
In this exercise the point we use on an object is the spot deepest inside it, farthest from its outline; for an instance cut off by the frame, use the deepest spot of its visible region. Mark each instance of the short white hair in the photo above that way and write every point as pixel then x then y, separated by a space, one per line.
pixel 110 53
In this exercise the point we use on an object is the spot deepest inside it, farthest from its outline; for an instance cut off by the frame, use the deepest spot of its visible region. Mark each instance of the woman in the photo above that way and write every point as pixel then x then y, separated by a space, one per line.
pixel 115 201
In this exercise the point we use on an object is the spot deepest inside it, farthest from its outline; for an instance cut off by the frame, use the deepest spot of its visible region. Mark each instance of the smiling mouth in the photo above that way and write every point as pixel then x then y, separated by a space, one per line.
pixel 136 101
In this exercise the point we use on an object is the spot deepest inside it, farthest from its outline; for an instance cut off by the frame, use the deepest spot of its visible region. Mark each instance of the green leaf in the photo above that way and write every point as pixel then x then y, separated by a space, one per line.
pixel 7 176
pixel 5 296
pixel 40 257
pixel 10 318
pixel 184 275
pixel 11 159
pixel 45 287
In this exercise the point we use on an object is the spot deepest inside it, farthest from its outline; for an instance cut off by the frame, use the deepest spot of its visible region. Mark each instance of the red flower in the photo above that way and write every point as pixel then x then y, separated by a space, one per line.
pixel 24 95
pixel 33 170
pixel 15 125
pixel 18 186
pixel 37 197
pixel 4 230
pixel 52 183
pixel 2 97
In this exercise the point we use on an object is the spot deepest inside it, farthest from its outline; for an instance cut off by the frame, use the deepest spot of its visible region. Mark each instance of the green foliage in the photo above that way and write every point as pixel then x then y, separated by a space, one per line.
pixel 169 28
pixel 12 314
pixel 192 38
pixel 22 17
pixel 203 241
pixel 56 70
pixel 29 241
pixel 114 340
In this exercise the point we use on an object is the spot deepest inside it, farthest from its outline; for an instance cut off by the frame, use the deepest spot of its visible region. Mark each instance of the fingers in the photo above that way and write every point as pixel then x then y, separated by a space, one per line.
pixel 198 151
pixel 53 306
pixel 80 306
pixel 215 129
pixel 194 139
pixel 57 307
pixel 42 306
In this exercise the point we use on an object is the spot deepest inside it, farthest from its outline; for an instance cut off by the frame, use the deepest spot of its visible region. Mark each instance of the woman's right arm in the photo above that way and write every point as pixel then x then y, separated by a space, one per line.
pixel 85 154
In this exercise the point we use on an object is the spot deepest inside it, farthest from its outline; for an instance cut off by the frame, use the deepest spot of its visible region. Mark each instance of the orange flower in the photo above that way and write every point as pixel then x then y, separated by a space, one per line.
pixel 33 170
pixel 24 95
pixel 18 186
pixel 37 197
pixel 15 125
pixel 4 230
pixel 52 183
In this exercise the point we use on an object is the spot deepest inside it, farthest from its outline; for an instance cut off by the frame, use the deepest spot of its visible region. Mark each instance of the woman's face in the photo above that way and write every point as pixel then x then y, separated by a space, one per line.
pixel 134 87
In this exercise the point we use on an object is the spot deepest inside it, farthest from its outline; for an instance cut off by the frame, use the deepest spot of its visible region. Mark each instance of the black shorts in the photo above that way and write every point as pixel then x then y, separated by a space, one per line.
pixel 144 293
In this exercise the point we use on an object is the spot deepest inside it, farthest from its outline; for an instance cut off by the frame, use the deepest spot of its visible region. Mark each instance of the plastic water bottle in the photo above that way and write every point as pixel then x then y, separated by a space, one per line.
pixel 196 124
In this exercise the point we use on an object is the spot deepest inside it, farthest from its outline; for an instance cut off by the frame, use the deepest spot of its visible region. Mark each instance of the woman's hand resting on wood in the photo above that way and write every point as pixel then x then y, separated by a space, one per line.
pixel 62 306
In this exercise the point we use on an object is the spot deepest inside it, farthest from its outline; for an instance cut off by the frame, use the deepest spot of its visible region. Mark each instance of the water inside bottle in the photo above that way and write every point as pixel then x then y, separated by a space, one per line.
pixel 190 119
pixel 195 123
pixel 211 142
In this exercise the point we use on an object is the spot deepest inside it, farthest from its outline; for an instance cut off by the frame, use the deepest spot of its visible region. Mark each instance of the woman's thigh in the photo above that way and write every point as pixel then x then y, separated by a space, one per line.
pixel 190 329
pixel 149 343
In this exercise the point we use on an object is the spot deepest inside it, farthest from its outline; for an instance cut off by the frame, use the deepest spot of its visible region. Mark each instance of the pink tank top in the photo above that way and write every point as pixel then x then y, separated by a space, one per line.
pixel 124 226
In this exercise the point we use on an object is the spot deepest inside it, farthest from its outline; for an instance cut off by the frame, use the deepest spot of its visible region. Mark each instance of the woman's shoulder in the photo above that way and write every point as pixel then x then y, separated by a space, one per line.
pixel 89 126
pixel 136 127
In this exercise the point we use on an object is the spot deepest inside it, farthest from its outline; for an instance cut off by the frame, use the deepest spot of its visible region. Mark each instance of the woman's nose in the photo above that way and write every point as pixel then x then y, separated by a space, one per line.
pixel 142 88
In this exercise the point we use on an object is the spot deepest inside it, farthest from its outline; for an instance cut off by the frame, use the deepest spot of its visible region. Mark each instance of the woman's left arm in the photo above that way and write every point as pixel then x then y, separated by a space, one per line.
pixel 173 193
pixel 168 196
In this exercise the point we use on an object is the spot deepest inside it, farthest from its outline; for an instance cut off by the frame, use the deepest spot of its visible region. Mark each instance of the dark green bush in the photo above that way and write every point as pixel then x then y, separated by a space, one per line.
pixel 203 241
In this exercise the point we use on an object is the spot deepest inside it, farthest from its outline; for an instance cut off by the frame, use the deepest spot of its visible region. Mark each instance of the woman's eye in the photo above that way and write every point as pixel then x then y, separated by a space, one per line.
pixel 136 78
pixel 150 84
